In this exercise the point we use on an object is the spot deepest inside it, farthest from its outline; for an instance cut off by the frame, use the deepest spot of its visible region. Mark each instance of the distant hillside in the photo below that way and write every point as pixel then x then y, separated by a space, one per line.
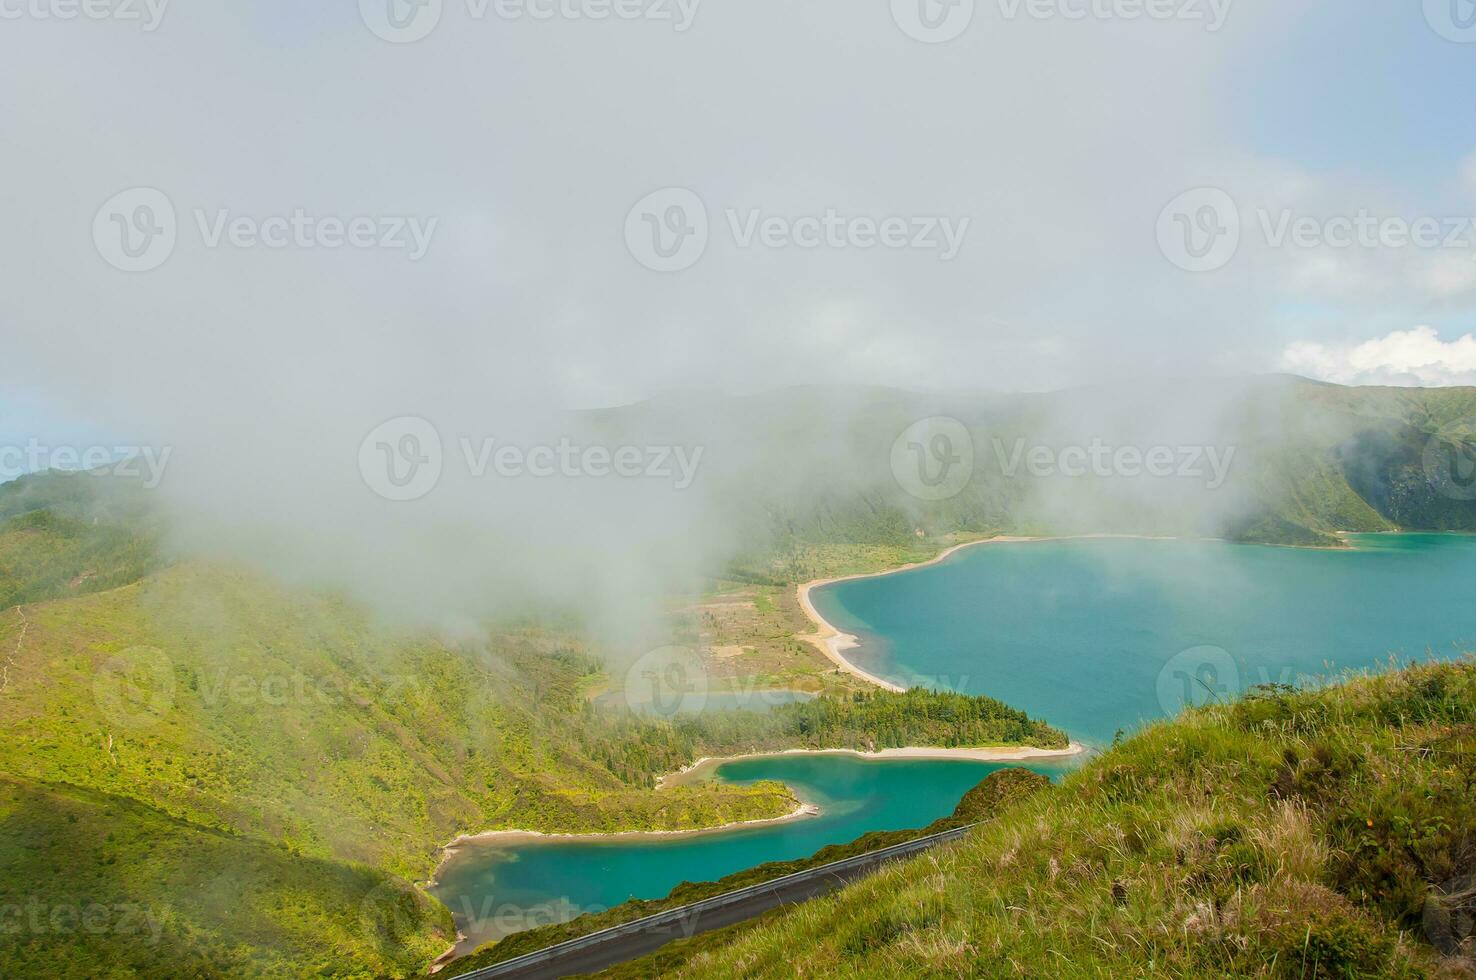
pixel 71 534
pixel 1310 460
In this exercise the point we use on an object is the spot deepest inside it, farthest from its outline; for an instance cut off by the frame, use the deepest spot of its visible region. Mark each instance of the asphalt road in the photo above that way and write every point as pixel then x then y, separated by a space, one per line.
pixel 626 942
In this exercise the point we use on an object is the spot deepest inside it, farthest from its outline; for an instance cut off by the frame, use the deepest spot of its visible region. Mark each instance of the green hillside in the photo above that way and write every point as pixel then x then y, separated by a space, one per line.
pixel 205 711
pixel 1323 834
pixel 99 886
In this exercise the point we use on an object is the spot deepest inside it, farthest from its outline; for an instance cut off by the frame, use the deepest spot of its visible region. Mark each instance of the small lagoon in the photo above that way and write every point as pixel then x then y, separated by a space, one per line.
pixel 496 889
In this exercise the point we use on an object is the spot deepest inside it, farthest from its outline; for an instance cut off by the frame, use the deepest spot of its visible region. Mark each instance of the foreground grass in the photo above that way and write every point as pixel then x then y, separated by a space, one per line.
pixel 1326 834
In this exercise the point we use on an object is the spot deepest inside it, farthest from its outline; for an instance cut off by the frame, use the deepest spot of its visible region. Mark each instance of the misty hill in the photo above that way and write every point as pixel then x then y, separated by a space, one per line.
pixel 1301 461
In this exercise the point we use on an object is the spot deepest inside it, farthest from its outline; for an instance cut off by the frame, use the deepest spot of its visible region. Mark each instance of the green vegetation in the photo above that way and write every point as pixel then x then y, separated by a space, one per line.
pixel 981 803
pixel 71 534
pixel 97 886
pixel 864 720
pixel 205 710
pixel 1293 834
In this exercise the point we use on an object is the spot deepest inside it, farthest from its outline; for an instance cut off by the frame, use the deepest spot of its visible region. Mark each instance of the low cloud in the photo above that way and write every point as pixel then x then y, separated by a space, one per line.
pixel 1405 357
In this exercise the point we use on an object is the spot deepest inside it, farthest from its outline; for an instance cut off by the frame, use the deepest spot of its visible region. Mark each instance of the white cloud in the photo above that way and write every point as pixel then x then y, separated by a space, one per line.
pixel 1405 357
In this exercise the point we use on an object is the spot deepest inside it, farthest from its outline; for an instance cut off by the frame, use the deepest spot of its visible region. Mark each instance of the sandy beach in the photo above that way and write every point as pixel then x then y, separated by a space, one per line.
pixel 831 641
pixel 1006 753
pixel 803 812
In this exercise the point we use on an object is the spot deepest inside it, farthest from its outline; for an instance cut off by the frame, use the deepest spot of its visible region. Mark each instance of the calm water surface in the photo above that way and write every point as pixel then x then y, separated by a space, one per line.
pixel 495 890
pixel 1099 635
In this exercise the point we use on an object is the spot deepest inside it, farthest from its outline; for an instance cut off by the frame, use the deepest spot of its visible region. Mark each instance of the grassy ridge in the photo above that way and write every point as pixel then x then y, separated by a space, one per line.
pixel 1294 834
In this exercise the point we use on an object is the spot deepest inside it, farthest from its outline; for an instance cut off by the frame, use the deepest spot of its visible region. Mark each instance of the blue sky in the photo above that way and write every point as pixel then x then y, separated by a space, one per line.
pixel 1364 87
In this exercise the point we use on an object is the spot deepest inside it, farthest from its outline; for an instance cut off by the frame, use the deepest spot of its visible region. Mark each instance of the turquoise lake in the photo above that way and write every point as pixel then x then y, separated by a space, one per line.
pixel 1092 636
pixel 494 890
pixel 1104 634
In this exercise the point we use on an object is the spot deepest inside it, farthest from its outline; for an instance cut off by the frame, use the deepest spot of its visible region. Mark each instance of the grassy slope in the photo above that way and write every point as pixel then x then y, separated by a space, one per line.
pixel 97 886
pixel 1293 834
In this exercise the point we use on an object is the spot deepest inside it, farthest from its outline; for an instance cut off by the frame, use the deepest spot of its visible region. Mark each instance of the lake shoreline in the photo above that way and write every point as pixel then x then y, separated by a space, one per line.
pixel 702 767
pixel 830 640
pixel 1006 753
pixel 804 811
